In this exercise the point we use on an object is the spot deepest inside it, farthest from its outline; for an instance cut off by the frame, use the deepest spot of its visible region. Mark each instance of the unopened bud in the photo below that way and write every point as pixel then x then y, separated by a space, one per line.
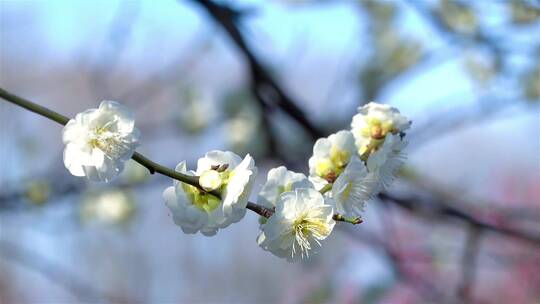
pixel 210 180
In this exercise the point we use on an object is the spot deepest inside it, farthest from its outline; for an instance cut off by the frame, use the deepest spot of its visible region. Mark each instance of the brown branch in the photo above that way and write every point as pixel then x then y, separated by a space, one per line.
pixel 260 210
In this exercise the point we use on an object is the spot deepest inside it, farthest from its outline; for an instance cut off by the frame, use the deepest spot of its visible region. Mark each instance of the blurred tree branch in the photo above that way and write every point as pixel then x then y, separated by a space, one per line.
pixel 441 209
pixel 269 94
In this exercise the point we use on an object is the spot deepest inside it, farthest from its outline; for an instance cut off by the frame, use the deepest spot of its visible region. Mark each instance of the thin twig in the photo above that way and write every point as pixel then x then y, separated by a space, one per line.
pixel 33 107
pixel 350 220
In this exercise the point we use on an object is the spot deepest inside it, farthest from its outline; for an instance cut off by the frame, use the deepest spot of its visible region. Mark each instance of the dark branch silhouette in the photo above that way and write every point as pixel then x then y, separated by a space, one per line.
pixel 266 90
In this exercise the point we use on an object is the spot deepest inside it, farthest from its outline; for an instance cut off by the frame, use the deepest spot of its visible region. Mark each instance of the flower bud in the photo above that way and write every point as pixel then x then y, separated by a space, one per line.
pixel 210 180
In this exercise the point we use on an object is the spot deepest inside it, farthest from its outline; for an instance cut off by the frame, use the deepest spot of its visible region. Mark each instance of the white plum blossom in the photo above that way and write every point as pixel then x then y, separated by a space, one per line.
pixel 280 180
pixel 352 189
pixel 384 163
pixel 237 178
pixel 373 122
pixel 191 211
pixel 196 210
pixel 330 157
pixel 300 222
pixel 99 141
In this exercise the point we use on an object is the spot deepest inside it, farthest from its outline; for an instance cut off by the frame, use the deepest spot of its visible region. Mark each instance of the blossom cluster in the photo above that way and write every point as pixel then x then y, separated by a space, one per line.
pixel 346 170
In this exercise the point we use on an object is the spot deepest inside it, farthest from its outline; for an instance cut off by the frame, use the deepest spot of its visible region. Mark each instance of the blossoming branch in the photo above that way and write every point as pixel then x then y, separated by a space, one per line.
pixel 297 212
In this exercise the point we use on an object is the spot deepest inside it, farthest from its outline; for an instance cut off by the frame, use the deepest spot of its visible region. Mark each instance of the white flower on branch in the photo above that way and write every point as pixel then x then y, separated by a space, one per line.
pixel 196 210
pixel 99 141
pixel 386 161
pixel 300 222
pixel 353 188
pixel 280 180
pixel 372 123
pixel 330 157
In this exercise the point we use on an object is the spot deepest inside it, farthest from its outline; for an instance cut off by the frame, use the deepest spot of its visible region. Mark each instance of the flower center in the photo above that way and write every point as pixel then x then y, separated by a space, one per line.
pixel 376 130
pixel 331 167
pixel 111 143
pixel 200 199
pixel 306 228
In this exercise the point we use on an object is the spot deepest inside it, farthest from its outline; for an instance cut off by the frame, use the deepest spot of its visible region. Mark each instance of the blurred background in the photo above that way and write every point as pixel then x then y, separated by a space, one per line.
pixel 461 224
